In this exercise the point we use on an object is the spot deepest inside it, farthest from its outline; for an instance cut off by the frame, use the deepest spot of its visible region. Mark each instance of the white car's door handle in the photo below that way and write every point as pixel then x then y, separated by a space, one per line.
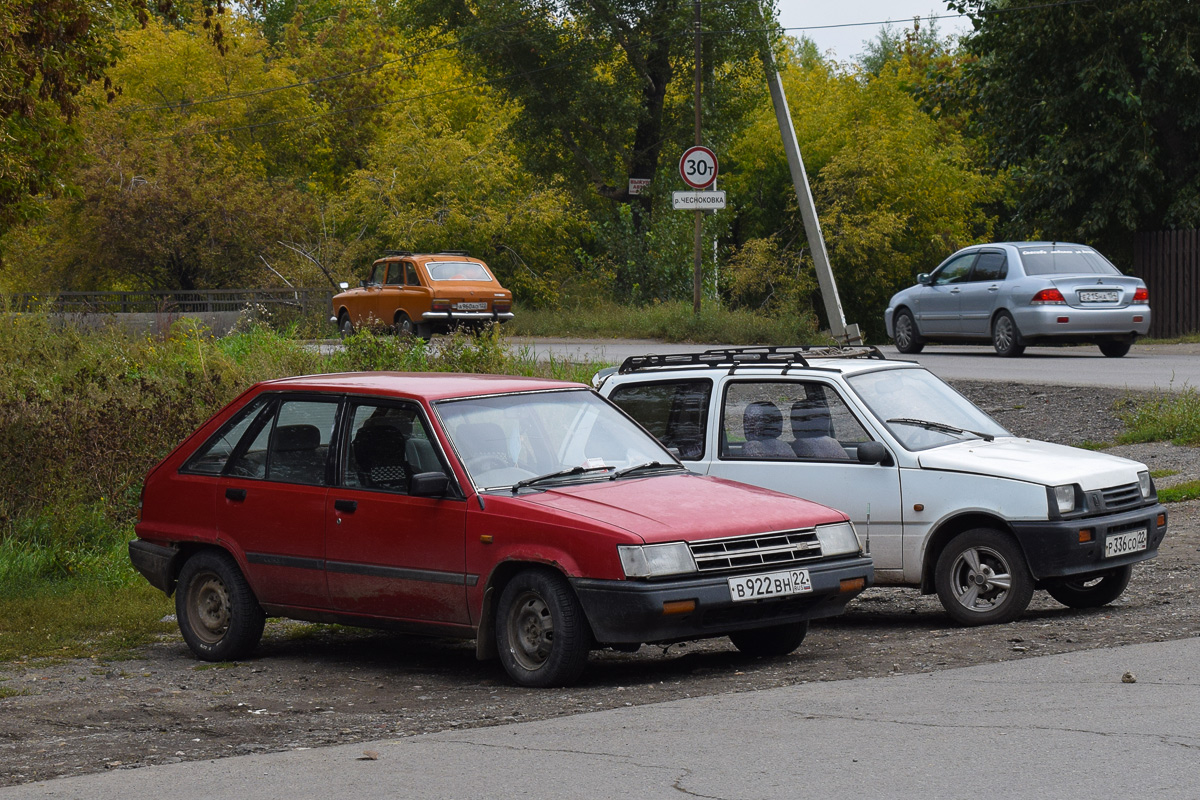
pixel 955 290
pixel 993 288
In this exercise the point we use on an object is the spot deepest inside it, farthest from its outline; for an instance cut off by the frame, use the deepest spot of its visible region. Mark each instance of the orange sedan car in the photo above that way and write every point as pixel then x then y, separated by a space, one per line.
pixel 421 294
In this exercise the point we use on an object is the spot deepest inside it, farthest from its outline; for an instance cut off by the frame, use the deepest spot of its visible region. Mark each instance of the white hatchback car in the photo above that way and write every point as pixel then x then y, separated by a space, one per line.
pixel 946 499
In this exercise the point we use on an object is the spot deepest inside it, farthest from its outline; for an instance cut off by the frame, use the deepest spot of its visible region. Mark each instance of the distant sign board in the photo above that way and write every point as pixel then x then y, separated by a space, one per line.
pixel 698 201
pixel 637 184
pixel 698 167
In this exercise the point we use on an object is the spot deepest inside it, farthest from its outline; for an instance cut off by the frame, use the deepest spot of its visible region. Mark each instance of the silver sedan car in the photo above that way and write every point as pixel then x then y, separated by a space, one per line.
pixel 1015 294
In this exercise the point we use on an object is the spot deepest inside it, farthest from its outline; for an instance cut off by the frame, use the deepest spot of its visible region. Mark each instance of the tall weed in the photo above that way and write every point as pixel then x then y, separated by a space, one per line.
pixel 1171 417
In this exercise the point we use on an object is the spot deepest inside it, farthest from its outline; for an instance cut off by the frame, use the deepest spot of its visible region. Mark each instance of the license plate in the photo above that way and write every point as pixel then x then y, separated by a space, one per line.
pixel 1097 297
pixel 775 584
pixel 471 306
pixel 1121 543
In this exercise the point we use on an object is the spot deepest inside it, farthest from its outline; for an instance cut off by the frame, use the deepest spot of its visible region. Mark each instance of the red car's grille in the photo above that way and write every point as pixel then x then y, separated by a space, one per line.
pixel 778 549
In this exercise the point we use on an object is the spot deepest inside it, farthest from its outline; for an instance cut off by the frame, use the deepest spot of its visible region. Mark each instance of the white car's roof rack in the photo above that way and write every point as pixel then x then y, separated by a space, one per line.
pixel 738 357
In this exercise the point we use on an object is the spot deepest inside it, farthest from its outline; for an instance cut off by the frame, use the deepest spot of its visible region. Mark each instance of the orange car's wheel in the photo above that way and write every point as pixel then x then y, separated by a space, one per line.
pixel 404 326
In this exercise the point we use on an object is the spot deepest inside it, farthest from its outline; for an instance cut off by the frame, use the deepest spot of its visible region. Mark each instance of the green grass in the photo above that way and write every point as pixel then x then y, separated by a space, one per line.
pixel 1179 492
pixel 82 620
pixel 1173 417
pixel 669 322
pixel 1163 473
pixel 1088 444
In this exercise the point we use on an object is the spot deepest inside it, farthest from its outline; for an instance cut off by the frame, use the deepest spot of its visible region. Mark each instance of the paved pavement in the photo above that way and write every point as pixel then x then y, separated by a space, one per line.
pixel 1148 366
pixel 1063 726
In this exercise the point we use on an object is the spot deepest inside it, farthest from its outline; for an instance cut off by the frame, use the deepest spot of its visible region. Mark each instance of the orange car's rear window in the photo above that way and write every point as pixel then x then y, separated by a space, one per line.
pixel 457 271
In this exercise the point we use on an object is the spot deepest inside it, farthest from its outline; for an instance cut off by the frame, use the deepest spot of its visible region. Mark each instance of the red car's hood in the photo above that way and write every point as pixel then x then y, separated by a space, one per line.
pixel 670 508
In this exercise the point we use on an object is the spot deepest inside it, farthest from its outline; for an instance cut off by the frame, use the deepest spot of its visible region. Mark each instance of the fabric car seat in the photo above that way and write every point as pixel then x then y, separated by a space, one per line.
pixel 379 456
pixel 297 455
pixel 762 423
pixel 812 431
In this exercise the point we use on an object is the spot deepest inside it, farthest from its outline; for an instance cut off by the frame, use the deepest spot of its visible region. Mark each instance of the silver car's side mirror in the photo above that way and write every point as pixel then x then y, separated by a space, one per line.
pixel 923 279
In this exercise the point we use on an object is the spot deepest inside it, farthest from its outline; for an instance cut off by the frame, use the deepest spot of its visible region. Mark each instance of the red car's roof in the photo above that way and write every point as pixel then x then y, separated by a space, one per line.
pixel 428 385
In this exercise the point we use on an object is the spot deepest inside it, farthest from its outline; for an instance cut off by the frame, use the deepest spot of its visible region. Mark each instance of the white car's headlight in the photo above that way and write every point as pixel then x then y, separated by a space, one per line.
pixel 1063 499
pixel 838 539
pixel 1145 484
pixel 656 560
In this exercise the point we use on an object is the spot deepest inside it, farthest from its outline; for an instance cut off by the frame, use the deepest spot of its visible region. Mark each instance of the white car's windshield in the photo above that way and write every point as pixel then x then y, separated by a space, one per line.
pixel 538 439
pixel 920 410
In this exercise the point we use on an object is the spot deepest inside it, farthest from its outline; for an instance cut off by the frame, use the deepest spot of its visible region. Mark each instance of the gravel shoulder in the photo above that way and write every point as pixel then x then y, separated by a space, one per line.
pixel 316 685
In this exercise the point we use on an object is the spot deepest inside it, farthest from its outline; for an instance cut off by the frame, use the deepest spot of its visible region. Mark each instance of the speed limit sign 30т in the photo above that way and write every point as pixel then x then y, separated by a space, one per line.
pixel 698 167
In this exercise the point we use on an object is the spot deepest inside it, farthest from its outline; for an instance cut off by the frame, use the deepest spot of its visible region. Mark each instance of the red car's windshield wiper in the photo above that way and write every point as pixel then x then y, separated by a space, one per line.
pixel 549 476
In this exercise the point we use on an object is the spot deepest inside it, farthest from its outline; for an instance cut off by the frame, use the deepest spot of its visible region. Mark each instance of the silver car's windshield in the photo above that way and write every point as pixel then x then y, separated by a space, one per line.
pixel 920 410
pixel 1068 260
pixel 539 439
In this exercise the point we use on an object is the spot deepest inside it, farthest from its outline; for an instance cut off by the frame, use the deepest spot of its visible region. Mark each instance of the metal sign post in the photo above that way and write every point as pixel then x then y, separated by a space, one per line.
pixel 697 270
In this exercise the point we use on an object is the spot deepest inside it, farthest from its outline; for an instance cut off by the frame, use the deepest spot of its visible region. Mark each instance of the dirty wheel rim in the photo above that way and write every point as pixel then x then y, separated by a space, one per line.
pixel 405 326
pixel 980 579
pixel 210 606
pixel 530 630
pixel 347 327
pixel 1004 334
pixel 904 331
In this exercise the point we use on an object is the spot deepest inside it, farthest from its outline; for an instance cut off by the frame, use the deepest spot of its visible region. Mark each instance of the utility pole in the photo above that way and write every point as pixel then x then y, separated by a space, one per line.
pixel 846 334
pixel 697 269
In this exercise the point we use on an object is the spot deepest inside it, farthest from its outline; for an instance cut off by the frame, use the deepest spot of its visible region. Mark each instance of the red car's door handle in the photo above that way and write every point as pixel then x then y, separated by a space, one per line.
pixel 347 506
pixel 236 495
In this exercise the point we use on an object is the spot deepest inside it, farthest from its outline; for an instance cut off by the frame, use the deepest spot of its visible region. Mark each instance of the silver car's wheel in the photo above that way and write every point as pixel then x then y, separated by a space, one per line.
pixel 1115 349
pixel 981 578
pixel 1005 336
pixel 905 329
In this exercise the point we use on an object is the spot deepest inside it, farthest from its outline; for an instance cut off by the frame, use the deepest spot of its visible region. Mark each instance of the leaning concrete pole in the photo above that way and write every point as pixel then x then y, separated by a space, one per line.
pixel 846 334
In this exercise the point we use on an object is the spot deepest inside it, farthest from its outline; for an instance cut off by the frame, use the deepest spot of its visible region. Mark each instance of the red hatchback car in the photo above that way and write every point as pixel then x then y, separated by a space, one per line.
pixel 531 515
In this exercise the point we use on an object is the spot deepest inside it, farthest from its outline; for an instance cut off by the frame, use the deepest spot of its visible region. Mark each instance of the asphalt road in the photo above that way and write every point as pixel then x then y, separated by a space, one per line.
pixel 1119 722
pixel 1155 366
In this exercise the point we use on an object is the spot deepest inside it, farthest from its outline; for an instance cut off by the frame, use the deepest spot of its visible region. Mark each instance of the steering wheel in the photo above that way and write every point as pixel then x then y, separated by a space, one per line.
pixel 487 461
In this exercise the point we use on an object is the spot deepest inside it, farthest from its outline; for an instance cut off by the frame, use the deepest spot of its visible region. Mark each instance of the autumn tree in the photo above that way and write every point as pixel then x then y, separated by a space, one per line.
pixel 593 79
pixel 445 175
pixel 1095 108
pixel 49 51
pixel 189 179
